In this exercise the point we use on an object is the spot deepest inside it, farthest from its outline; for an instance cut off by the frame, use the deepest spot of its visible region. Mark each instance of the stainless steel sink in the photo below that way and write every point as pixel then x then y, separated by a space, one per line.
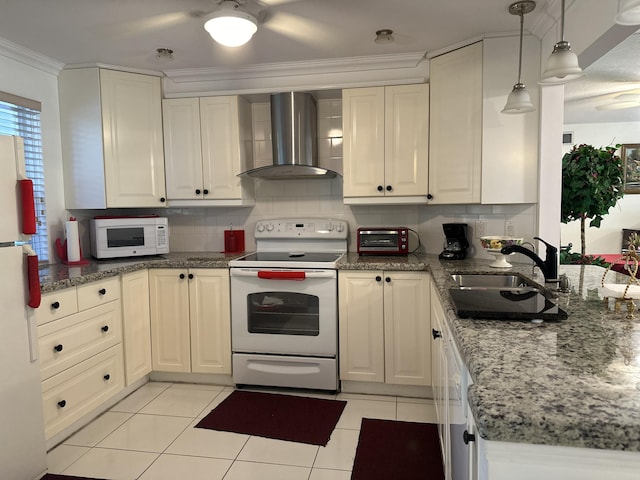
pixel 481 280
pixel 505 297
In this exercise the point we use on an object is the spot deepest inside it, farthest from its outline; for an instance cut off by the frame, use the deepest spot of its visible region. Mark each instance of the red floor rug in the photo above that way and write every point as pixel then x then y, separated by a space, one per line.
pixel 388 449
pixel 53 476
pixel 271 415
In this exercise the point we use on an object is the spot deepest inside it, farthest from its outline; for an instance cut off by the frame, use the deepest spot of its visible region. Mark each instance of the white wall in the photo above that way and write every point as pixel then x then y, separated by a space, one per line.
pixel 41 84
pixel 626 214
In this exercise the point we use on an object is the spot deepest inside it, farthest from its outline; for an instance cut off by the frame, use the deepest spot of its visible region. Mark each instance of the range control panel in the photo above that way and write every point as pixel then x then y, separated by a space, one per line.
pixel 307 228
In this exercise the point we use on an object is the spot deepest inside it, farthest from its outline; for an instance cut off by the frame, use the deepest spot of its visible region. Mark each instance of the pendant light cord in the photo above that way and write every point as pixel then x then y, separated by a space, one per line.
pixel 562 22
pixel 520 54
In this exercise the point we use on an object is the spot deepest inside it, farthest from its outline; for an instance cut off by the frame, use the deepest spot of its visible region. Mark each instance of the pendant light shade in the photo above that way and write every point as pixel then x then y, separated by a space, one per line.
pixel 562 65
pixel 628 12
pixel 519 100
pixel 229 26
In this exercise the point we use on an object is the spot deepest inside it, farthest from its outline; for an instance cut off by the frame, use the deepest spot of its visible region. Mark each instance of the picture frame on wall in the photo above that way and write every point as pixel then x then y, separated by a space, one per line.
pixel 630 155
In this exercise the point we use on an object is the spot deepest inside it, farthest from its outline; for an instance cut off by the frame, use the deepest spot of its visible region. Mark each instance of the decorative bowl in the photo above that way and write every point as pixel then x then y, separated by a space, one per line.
pixel 494 242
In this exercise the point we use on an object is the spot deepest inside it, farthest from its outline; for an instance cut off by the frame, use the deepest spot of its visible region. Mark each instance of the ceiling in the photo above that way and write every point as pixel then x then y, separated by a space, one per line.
pixel 128 32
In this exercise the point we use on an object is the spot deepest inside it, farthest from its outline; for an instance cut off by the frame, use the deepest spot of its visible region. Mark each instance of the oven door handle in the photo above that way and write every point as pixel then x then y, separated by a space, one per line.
pixel 298 275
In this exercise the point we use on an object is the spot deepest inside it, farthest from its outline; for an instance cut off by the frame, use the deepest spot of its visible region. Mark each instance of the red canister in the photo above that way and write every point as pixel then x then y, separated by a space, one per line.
pixel 233 241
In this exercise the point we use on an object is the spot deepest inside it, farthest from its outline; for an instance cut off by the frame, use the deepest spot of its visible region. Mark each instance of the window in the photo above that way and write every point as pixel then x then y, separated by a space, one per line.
pixel 21 116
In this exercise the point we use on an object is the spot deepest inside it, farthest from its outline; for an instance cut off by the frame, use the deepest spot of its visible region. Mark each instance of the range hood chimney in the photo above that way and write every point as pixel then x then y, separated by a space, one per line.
pixel 294 139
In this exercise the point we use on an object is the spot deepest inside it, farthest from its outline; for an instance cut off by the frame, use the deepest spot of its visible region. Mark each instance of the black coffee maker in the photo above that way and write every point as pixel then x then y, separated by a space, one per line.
pixel 455 243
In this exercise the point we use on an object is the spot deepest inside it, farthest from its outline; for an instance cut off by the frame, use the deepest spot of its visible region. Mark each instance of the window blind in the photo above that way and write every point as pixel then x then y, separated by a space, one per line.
pixel 21 116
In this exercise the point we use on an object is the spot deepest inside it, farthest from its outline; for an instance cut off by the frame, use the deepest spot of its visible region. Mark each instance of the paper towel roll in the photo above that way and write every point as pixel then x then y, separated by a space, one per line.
pixel 73 241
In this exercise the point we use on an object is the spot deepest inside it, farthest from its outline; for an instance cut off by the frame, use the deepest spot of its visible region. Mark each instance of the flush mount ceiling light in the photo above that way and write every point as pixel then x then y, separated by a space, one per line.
pixel 384 36
pixel 628 12
pixel 622 101
pixel 230 26
pixel 519 100
pixel 562 66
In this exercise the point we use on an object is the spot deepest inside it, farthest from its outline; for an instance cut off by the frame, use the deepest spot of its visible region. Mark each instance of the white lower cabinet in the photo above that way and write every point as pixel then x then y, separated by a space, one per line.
pixel 68 396
pixel 190 320
pixel 136 320
pixel 455 423
pixel 384 327
pixel 80 345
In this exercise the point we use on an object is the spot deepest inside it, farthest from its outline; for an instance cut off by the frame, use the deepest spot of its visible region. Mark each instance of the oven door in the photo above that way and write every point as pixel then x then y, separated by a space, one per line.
pixel 286 312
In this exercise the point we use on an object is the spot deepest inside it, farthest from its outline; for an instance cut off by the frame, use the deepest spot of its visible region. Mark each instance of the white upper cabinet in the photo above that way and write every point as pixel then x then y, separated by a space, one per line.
pixel 455 147
pixel 111 124
pixel 478 154
pixel 207 144
pixel 386 138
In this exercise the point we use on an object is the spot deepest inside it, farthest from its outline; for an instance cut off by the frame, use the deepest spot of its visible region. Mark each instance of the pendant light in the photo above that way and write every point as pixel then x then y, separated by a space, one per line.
pixel 562 66
pixel 230 26
pixel 519 100
pixel 628 12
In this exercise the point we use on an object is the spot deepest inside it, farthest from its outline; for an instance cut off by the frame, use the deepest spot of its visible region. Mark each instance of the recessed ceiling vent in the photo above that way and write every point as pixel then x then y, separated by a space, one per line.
pixel 294 139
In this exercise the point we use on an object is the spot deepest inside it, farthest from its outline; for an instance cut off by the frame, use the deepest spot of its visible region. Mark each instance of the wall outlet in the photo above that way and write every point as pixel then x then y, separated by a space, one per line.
pixel 481 228
pixel 510 229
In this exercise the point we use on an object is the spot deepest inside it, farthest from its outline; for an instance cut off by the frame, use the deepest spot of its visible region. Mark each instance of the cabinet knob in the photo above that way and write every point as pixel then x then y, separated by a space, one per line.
pixel 162 199
pixel 102 291
pixel 62 403
pixel 55 305
pixel 58 348
pixel 191 276
pixel 107 377
pixel 387 279
pixel 105 328
pixel 436 333
pixel 198 191
pixel 468 437
pixel 378 278
pixel 429 196
pixel 205 191
pixel 389 188
pixel 182 276
pixel 380 188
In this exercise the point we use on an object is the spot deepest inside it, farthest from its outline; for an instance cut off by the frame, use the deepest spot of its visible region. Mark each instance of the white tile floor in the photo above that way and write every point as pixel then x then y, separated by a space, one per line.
pixel 150 436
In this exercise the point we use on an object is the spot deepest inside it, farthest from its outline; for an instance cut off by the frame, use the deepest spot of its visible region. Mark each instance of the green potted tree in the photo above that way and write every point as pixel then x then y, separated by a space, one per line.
pixel 591 185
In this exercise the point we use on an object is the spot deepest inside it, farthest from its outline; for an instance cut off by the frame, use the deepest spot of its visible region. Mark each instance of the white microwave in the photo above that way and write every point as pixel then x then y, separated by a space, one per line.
pixel 113 237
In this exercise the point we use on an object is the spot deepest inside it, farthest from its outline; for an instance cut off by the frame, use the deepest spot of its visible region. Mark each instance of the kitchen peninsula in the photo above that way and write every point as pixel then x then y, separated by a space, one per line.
pixel 538 390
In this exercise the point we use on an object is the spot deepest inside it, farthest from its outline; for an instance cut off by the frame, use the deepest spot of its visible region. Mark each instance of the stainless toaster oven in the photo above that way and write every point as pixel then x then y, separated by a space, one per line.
pixel 383 241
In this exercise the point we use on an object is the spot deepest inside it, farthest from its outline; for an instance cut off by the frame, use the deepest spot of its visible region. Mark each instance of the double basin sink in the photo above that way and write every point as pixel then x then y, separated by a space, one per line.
pixel 502 297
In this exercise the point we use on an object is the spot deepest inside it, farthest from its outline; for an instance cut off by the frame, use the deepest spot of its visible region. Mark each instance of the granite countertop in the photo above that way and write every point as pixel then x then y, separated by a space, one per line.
pixel 574 383
pixel 57 276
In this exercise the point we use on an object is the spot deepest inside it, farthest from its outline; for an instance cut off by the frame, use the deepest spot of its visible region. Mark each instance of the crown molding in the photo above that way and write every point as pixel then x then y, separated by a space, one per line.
pixel 316 74
pixel 29 57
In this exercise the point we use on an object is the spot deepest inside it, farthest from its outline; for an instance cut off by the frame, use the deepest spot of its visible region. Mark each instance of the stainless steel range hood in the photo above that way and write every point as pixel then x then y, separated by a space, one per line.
pixel 294 139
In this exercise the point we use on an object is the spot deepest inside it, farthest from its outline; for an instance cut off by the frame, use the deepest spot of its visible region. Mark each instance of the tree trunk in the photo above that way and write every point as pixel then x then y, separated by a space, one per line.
pixel 582 236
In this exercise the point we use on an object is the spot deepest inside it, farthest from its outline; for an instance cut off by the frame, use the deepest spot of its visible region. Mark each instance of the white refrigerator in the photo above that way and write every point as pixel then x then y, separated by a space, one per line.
pixel 22 442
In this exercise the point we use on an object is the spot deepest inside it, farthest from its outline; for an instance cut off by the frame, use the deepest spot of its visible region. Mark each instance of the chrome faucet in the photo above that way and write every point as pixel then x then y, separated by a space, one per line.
pixel 548 267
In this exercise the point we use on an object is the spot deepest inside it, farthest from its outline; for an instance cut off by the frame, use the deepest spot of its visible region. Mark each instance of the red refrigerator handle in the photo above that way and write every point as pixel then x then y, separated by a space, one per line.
pixel 28 207
pixel 34 281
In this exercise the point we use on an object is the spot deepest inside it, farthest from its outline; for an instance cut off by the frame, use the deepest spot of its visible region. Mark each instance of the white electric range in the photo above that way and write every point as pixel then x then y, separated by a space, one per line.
pixel 284 304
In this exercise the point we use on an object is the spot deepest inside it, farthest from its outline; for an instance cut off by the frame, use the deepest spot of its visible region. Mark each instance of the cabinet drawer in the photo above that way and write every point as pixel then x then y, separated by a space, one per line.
pixel 56 305
pixel 68 396
pixel 98 293
pixel 77 337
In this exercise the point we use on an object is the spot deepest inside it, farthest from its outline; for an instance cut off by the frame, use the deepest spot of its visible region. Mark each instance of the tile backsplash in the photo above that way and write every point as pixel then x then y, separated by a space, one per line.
pixel 202 229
